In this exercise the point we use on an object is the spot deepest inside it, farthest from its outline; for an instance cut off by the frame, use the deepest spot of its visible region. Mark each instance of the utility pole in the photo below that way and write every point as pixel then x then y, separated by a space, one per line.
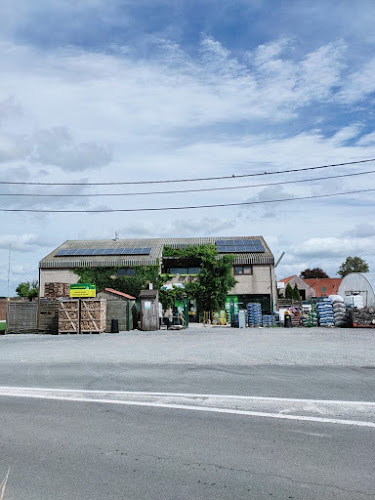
pixel 10 253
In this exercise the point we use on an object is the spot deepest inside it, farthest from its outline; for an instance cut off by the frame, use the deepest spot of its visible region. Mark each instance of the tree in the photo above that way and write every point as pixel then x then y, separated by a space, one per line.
pixel 28 289
pixel 288 291
pixel 214 282
pixel 353 265
pixel 296 294
pixel 170 296
pixel 316 272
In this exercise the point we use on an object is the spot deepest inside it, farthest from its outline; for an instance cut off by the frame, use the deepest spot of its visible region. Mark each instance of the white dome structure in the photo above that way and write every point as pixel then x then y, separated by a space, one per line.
pixel 359 284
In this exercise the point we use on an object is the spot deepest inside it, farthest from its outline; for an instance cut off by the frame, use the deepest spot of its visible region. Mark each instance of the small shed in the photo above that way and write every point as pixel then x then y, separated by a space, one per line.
pixel 119 307
pixel 149 310
pixel 359 284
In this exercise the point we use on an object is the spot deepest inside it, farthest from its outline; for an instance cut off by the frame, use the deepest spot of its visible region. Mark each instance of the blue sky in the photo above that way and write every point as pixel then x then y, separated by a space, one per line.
pixel 137 90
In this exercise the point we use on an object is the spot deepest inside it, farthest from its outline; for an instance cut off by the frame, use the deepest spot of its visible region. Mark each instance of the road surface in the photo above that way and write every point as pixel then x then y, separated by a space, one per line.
pixel 214 413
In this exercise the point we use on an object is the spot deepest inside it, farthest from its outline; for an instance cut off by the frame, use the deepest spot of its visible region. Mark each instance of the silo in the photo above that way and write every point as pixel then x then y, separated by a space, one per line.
pixel 359 284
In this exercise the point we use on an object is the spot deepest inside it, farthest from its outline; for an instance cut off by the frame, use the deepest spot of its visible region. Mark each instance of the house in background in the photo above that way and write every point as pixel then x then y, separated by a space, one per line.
pixel 313 287
pixel 324 287
pixel 305 290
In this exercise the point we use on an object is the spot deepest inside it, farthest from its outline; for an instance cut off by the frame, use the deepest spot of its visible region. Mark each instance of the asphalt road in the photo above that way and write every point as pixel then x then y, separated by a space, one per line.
pixel 249 414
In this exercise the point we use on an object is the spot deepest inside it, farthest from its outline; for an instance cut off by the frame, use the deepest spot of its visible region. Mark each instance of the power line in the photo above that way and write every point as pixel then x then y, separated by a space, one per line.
pixel 217 205
pixel 183 191
pixel 168 181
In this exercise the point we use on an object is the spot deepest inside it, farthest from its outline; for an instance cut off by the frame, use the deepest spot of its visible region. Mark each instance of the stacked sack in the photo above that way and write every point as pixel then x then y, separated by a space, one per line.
pixel 339 310
pixel 254 314
pixel 268 320
pixel 325 312
pixel 354 301
pixel 310 318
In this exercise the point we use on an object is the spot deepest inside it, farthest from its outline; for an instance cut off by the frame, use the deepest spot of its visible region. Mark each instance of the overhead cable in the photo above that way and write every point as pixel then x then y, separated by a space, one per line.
pixel 184 191
pixel 168 181
pixel 189 207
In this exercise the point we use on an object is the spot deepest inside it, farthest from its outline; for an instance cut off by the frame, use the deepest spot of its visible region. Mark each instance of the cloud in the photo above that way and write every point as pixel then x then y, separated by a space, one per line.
pixel 57 147
pixel 361 231
pixel 188 227
pixel 329 247
pixel 23 242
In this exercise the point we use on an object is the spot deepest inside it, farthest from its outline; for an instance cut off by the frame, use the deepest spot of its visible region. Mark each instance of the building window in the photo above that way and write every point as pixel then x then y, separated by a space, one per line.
pixel 239 270
pixel 126 272
pixel 324 289
pixel 184 270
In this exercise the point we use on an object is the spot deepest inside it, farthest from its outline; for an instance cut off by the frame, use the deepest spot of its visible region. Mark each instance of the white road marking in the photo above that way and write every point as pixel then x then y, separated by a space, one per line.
pixel 281 408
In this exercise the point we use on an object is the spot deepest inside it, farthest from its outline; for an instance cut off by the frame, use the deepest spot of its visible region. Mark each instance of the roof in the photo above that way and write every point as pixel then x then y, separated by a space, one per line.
pixel 330 285
pixel 153 258
pixel 116 292
pixel 285 280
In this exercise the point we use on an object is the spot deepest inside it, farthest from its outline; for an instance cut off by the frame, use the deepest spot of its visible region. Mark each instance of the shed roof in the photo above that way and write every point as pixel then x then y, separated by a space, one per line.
pixel 154 257
pixel 116 292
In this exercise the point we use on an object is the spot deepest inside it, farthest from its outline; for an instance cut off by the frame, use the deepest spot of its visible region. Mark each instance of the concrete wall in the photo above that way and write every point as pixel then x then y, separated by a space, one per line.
pixel 58 275
pixel 262 281
pixel 117 308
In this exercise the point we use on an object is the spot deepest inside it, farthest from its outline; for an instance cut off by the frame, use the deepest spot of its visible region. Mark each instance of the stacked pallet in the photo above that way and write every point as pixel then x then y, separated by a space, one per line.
pixel 268 320
pixel 325 312
pixel 254 314
pixel 56 290
pixel 90 312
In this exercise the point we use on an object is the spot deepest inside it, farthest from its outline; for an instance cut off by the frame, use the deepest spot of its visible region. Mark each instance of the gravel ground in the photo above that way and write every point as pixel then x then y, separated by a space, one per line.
pixel 215 345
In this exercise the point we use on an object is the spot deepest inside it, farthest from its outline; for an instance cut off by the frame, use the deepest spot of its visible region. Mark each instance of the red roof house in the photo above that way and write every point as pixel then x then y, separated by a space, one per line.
pixel 324 286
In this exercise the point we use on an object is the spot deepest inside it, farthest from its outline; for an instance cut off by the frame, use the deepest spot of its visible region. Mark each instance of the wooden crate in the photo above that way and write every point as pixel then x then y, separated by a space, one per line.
pixel 68 316
pixel 92 316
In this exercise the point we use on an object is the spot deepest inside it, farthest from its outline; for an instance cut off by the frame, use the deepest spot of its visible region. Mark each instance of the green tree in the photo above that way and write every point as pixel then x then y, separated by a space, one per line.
pixel 296 294
pixel 288 291
pixel 214 282
pixel 353 265
pixel 28 289
pixel 169 297
pixel 316 272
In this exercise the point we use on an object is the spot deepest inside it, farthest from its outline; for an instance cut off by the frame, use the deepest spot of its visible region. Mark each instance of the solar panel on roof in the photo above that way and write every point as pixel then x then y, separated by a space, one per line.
pixel 82 252
pixel 240 246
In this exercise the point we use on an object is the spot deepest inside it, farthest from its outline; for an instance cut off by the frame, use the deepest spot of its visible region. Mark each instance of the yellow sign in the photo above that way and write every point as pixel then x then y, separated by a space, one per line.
pixel 82 290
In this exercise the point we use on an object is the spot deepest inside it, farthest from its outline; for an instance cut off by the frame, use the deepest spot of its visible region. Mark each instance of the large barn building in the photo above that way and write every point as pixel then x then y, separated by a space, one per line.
pixel 253 265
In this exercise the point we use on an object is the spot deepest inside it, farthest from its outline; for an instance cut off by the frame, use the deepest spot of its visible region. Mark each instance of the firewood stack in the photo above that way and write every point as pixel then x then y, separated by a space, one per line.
pixel 93 316
pixel 56 290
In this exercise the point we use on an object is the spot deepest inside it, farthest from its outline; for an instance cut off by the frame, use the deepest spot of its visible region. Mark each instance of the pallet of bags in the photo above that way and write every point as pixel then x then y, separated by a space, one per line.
pixel 339 310
pixel 268 320
pixel 363 318
pixel 254 314
pixel 310 318
pixel 325 312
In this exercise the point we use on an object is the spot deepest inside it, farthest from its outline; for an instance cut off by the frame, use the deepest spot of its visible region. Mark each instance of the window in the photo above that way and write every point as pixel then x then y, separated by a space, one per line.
pixel 324 289
pixel 239 270
pixel 185 270
pixel 126 272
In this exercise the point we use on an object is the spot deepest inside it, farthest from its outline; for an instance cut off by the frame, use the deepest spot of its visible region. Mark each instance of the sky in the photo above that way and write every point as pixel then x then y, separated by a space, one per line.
pixel 135 90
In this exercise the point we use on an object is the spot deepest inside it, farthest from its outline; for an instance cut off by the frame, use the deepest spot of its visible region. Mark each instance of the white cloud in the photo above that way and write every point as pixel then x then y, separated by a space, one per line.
pixel 23 242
